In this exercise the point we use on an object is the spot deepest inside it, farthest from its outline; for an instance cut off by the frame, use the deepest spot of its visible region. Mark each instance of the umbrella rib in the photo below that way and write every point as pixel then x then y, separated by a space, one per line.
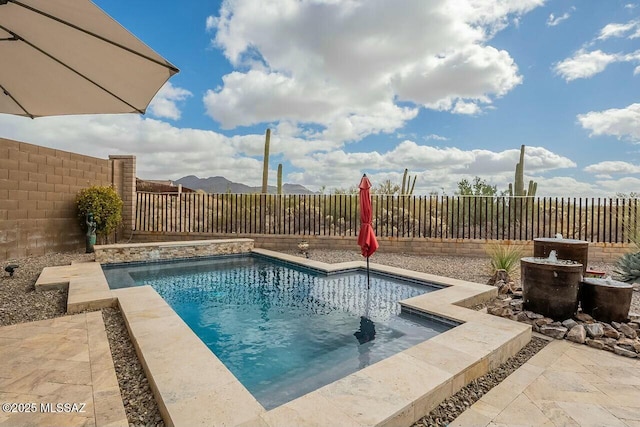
pixel 96 84
pixel 6 92
pixel 92 34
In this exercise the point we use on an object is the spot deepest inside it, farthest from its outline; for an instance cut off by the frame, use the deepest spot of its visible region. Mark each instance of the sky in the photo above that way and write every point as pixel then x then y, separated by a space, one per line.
pixel 449 89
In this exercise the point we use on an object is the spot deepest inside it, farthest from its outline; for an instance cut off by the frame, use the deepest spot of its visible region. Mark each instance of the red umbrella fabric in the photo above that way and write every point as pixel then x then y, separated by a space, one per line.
pixel 366 238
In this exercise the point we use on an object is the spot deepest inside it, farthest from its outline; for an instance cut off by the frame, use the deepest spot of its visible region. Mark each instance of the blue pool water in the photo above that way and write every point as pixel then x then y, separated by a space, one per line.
pixel 285 331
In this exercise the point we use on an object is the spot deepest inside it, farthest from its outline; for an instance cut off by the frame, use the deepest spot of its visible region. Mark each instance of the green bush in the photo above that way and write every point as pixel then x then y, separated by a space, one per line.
pixel 505 256
pixel 105 205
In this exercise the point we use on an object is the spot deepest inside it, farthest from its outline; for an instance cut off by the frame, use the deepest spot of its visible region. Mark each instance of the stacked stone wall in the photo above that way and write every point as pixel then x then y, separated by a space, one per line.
pixel 131 252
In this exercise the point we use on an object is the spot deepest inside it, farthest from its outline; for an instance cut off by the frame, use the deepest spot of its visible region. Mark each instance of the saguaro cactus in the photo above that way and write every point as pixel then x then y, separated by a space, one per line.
pixel 517 189
pixel 280 178
pixel 265 166
pixel 405 184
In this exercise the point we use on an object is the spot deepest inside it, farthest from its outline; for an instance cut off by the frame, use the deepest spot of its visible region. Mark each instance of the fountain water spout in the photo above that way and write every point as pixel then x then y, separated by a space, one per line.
pixel 559 236
pixel 553 257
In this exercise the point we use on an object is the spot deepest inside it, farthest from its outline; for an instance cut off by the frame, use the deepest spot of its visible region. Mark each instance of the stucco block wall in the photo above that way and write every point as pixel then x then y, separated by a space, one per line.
pixel 38 187
pixel 598 252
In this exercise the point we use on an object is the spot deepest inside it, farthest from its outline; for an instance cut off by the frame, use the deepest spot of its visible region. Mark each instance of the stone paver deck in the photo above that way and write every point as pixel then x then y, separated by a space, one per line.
pixel 65 360
pixel 565 384
pixel 88 288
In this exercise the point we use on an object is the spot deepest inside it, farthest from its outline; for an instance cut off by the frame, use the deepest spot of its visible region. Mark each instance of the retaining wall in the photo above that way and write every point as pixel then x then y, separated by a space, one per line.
pixel 598 252
pixel 129 252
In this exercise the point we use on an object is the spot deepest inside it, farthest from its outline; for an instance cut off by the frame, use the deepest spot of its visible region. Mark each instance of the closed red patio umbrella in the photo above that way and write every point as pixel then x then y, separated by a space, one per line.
pixel 366 237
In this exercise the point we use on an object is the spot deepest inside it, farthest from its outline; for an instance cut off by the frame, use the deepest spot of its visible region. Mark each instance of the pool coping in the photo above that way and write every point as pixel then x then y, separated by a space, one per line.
pixel 193 387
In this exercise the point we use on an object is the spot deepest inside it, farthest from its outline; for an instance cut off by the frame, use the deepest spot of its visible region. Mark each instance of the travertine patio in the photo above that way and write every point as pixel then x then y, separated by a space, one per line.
pixel 565 384
pixel 62 361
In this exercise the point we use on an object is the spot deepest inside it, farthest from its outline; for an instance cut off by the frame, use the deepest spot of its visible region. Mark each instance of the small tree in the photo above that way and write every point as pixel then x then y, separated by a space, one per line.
pixel 479 187
pixel 105 205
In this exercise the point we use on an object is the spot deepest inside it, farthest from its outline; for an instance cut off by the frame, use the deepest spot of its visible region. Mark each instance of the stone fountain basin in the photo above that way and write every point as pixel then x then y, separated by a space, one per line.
pixel 606 299
pixel 550 287
pixel 571 249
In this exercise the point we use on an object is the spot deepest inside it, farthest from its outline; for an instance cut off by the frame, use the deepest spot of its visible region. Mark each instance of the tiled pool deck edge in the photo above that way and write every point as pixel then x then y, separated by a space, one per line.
pixel 395 391
pixel 192 387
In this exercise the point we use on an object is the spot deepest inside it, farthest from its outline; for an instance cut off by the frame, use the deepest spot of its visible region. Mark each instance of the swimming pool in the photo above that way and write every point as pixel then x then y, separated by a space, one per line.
pixel 283 330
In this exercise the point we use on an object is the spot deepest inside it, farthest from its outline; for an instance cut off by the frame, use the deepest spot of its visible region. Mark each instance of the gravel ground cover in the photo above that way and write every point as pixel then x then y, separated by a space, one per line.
pixel 19 302
pixel 139 403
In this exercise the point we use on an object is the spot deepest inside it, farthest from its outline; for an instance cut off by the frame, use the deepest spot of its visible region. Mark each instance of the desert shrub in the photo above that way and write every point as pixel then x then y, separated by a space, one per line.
pixel 505 256
pixel 105 205
pixel 628 267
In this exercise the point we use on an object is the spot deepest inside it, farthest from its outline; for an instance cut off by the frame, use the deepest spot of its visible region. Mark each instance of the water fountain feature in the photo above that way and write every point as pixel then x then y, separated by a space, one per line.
pixel 606 299
pixel 571 249
pixel 550 285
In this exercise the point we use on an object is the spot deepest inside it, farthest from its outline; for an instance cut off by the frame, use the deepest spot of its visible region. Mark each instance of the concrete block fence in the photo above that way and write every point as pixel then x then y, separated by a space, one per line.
pixel 598 252
pixel 38 188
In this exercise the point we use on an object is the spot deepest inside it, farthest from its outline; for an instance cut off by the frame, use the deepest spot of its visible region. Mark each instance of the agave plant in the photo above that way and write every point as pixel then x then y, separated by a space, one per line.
pixel 629 267
pixel 505 256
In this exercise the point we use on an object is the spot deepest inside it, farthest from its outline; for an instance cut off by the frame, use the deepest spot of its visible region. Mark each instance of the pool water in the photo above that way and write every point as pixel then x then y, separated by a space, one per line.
pixel 284 331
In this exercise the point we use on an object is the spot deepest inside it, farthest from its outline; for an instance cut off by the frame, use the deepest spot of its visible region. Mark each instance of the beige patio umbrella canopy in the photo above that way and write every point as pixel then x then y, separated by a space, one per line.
pixel 61 57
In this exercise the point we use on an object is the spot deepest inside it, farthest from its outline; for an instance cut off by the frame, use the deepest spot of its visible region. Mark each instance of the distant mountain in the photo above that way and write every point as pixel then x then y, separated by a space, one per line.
pixel 219 184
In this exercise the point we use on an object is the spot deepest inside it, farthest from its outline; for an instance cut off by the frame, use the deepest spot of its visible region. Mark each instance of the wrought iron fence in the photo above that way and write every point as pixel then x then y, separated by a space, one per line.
pixel 451 217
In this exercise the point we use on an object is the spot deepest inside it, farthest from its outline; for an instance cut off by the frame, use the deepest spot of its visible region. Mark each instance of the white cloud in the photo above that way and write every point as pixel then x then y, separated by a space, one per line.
pixel 343 66
pixel 466 108
pixel 584 64
pixel 563 186
pixel 552 21
pixel 165 103
pixel 166 152
pixel 623 123
pixel 436 137
pixel 435 167
pixel 624 185
pixel 619 30
pixel 613 167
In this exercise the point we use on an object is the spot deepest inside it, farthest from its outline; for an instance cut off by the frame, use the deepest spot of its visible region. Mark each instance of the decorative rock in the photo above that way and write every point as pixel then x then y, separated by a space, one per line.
pixel 503 288
pixel 636 346
pixel 522 317
pixel 616 325
pixel 532 315
pixel 627 342
pixel 610 332
pixel 569 323
pixel 594 330
pixel 635 324
pixel 500 311
pixel 517 294
pixel 516 305
pixel 557 332
pixel 628 330
pixel 595 343
pixel 500 275
pixel 609 343
pixel 577 334
pixel 583 317
pixel 543 321
pixel 624 352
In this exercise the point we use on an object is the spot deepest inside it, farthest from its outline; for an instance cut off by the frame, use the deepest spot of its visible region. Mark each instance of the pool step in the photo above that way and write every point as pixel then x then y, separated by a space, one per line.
pixel 88 288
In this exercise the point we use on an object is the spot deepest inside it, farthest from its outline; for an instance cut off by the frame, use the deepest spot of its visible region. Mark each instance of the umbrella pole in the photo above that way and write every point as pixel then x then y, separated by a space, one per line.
pixel 368 273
